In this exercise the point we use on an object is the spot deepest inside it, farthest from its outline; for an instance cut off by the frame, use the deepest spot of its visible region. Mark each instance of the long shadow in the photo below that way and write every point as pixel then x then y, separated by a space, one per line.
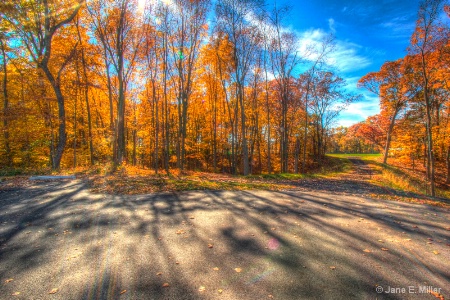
pixel 109 247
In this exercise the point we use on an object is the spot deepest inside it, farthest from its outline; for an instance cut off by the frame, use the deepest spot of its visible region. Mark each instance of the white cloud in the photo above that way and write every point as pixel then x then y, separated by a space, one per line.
pixel 345 56
pixel 331 25
pixel 359 111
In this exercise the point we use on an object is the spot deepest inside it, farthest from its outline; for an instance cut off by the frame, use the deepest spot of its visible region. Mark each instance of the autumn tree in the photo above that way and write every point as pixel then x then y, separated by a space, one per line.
pixel 284 57
pixel 234 20
pixel 188 29
pixel 118 25
pixel 388 85
pixel 328 99
pixel 318 54
pixel 36 23
pixel 422 45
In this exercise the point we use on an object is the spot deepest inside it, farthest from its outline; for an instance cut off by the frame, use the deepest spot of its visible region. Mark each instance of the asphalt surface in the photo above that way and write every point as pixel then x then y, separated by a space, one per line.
pixel 59 241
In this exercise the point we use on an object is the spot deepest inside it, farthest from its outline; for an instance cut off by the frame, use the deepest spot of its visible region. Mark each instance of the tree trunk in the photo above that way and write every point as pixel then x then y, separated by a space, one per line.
pixel 75 121
pixel 62 138
pixel 6 107
pixel 448 165
pixel 297 153
pixel 86 97
pixel 429 129
pixel 244 134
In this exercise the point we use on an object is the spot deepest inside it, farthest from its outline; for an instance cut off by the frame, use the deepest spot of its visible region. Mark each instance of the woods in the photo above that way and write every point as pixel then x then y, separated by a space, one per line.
pixel 161 85
pixel 196 85
pixel 414 98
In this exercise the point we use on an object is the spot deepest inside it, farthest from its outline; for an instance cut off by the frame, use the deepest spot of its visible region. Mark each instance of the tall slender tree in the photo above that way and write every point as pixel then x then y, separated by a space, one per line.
pixel 36 23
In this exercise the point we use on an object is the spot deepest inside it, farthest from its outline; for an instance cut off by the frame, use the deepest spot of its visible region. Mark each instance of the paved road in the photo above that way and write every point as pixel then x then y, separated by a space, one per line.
pixel 217 245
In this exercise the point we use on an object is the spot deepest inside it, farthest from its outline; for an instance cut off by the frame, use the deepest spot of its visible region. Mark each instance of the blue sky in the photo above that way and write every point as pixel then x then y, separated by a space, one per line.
pixel 368 33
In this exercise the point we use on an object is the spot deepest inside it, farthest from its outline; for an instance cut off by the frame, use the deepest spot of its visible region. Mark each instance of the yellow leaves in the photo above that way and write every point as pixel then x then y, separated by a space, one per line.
pixel 53 291
pixel 367 250
pixel 15 294
pixel 435 252
pixel 437 295
pixel 220 291
pixel 201 288
pixel 216 269
pixel 181 231
pixel 332 267
pixel 9 280
pixel 238 270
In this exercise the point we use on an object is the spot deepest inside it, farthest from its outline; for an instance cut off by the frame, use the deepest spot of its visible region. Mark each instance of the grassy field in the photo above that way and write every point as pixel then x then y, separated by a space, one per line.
pixel 397 175
pixel 135 180
pixel 359 155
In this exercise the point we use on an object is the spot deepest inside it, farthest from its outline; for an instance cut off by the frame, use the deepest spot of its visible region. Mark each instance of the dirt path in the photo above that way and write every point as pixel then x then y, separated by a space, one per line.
pixel 322 241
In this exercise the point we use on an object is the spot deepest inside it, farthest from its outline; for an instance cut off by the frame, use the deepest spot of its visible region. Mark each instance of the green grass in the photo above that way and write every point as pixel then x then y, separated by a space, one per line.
pixel 359 155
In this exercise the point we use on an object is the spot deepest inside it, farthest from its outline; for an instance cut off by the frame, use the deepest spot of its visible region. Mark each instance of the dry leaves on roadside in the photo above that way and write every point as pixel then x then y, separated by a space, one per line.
pixel 210 245
pixel 437 295
pixel 216 269
pixel 165 284
pixel 384 249
pixel 435 252
pixel 333 268
pixel 238 270
pixel 53 291
pixel 9 280
pixel 15 294
pixel 201 289
pixel 367 250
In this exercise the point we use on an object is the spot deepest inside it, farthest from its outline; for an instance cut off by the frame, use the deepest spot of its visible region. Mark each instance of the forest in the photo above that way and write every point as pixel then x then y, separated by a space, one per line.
pixel 217 86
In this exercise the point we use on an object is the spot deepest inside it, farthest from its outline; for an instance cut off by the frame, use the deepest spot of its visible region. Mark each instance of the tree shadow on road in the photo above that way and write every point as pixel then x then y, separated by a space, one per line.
pixel 216 244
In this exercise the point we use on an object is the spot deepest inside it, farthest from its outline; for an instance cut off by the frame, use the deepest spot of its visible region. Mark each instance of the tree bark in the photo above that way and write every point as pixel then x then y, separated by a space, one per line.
pixel 9 160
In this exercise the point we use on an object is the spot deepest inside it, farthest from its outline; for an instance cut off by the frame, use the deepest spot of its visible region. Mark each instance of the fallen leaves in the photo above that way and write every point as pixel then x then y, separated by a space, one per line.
pixel 53 291
pixel 384 249
pixel 220 291
pixel 9 280
pixel 435 252
pixel 333 268
pixel 216 269
pixel 159 274
pixel 165 284
pixel 201 288
pixel 15 294
pixel 367 250
pixel 238 270
pixel 123 292
pixel 437 295
pixel 210 246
